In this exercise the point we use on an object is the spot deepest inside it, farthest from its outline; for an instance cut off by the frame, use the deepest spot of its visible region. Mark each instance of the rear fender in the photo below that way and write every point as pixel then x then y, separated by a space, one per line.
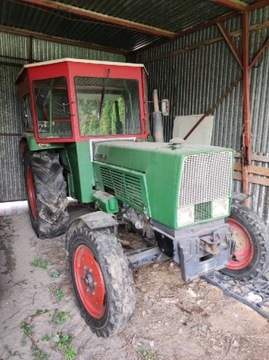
pixel 29 141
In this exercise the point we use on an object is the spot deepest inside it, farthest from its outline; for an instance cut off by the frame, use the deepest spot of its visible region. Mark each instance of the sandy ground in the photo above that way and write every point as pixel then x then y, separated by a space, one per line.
pixel 172 320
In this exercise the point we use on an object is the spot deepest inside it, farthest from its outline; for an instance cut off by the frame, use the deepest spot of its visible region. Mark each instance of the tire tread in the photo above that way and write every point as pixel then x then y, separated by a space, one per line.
pixel 258 232
pixel 117 276
pixel 50 189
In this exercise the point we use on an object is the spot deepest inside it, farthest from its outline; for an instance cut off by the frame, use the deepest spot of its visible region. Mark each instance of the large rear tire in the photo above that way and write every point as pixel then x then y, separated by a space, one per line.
pixel 102 280
pixel 251 255
pixel 46 192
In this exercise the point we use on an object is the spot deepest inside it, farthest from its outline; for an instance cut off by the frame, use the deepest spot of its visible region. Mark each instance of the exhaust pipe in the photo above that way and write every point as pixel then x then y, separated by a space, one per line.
pixel 157 119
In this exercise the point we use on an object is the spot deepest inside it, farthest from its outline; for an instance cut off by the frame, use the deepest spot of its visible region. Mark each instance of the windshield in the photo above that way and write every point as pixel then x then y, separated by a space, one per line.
pixel 107 106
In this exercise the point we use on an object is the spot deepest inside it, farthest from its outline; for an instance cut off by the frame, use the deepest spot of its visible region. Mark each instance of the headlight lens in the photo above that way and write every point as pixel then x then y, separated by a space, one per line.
pixel 220 207
pixel 185 216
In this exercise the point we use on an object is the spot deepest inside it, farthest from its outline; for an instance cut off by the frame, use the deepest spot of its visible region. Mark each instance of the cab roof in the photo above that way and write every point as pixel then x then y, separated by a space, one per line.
pixel 81 61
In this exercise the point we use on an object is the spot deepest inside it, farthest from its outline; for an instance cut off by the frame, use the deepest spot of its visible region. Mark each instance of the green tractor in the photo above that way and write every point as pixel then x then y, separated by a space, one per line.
pixel 87 136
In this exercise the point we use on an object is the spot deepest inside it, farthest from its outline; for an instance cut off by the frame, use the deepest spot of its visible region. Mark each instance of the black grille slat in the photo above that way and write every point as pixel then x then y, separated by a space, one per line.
pixel 125 186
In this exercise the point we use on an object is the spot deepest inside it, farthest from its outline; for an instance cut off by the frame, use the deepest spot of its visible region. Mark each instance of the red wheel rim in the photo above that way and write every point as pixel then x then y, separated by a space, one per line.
pixel 89 281
pixel 31 192
pixel 244 251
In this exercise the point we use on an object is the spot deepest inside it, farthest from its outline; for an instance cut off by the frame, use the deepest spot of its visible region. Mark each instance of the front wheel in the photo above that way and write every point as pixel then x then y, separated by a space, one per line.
pixel 102 280
pixel 250 257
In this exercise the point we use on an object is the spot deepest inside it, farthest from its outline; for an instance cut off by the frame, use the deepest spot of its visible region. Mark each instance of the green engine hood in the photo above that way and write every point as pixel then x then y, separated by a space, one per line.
pixel 159 167
pixel 139 156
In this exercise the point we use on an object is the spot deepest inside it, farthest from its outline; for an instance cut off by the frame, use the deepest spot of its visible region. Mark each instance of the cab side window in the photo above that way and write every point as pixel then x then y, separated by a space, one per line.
pixel 52 108
pixel 27 114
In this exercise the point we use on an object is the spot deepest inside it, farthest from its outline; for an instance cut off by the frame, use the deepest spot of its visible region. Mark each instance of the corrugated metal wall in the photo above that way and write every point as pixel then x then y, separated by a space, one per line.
pixel 11 187
pixel 13 50
pixel 195 71
pixel 194 78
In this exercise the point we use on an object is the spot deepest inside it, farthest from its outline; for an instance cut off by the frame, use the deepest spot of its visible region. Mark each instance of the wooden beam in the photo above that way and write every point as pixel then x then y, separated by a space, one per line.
pixel 234 4
pixel 92 15
pixel 256 170
pixel 258 5
pixel 255 157
pixel 259 53
pixel 60 40
pixel 185 50
pixel 256 174
pixel 229 40
pixel 253 179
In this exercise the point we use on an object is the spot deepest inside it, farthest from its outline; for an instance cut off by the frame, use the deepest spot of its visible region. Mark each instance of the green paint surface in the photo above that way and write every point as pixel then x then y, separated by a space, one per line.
pixel 81 171
pixel 158 166
pixel 144 175
pixel 34 146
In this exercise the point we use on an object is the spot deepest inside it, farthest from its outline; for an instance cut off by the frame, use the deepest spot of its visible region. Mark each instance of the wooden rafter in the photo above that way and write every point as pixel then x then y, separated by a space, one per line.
pixel 234 4
pixel 57 39
pixel 258 5
pixel 55 5
pixel 228 38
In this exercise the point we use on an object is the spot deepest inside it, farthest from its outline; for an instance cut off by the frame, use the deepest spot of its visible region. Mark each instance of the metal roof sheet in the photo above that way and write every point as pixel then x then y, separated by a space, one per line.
pixel 123 24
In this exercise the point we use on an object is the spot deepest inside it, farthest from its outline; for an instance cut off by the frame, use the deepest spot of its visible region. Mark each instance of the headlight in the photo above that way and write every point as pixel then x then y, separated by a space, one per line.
pixel 185 216
pixel 220 207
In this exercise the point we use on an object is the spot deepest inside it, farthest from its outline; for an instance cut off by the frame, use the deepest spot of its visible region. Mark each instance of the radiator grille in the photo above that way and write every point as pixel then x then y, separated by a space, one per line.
pixel 125 186
pixel 205 177
pixel 202 211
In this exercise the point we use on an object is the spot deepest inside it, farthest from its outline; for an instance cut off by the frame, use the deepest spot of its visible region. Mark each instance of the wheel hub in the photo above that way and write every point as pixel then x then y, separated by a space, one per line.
pixel 243 253
pixel 239 240
pixel 89 280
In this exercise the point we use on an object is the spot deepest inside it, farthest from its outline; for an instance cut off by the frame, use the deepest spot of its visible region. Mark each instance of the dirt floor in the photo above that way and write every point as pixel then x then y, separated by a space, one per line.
pixel 172 320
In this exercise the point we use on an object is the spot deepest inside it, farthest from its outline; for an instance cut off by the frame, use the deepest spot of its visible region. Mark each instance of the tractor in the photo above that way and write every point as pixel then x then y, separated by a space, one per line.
pixel 87 136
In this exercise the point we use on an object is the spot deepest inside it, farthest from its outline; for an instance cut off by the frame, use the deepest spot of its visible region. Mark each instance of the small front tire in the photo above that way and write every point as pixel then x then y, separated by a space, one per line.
pixel 101 279
pixel 250 258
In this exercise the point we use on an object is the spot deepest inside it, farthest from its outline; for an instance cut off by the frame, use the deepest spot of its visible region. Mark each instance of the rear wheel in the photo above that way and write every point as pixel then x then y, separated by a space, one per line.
pixel 250 258
pixel 46 192
pixel 101 279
